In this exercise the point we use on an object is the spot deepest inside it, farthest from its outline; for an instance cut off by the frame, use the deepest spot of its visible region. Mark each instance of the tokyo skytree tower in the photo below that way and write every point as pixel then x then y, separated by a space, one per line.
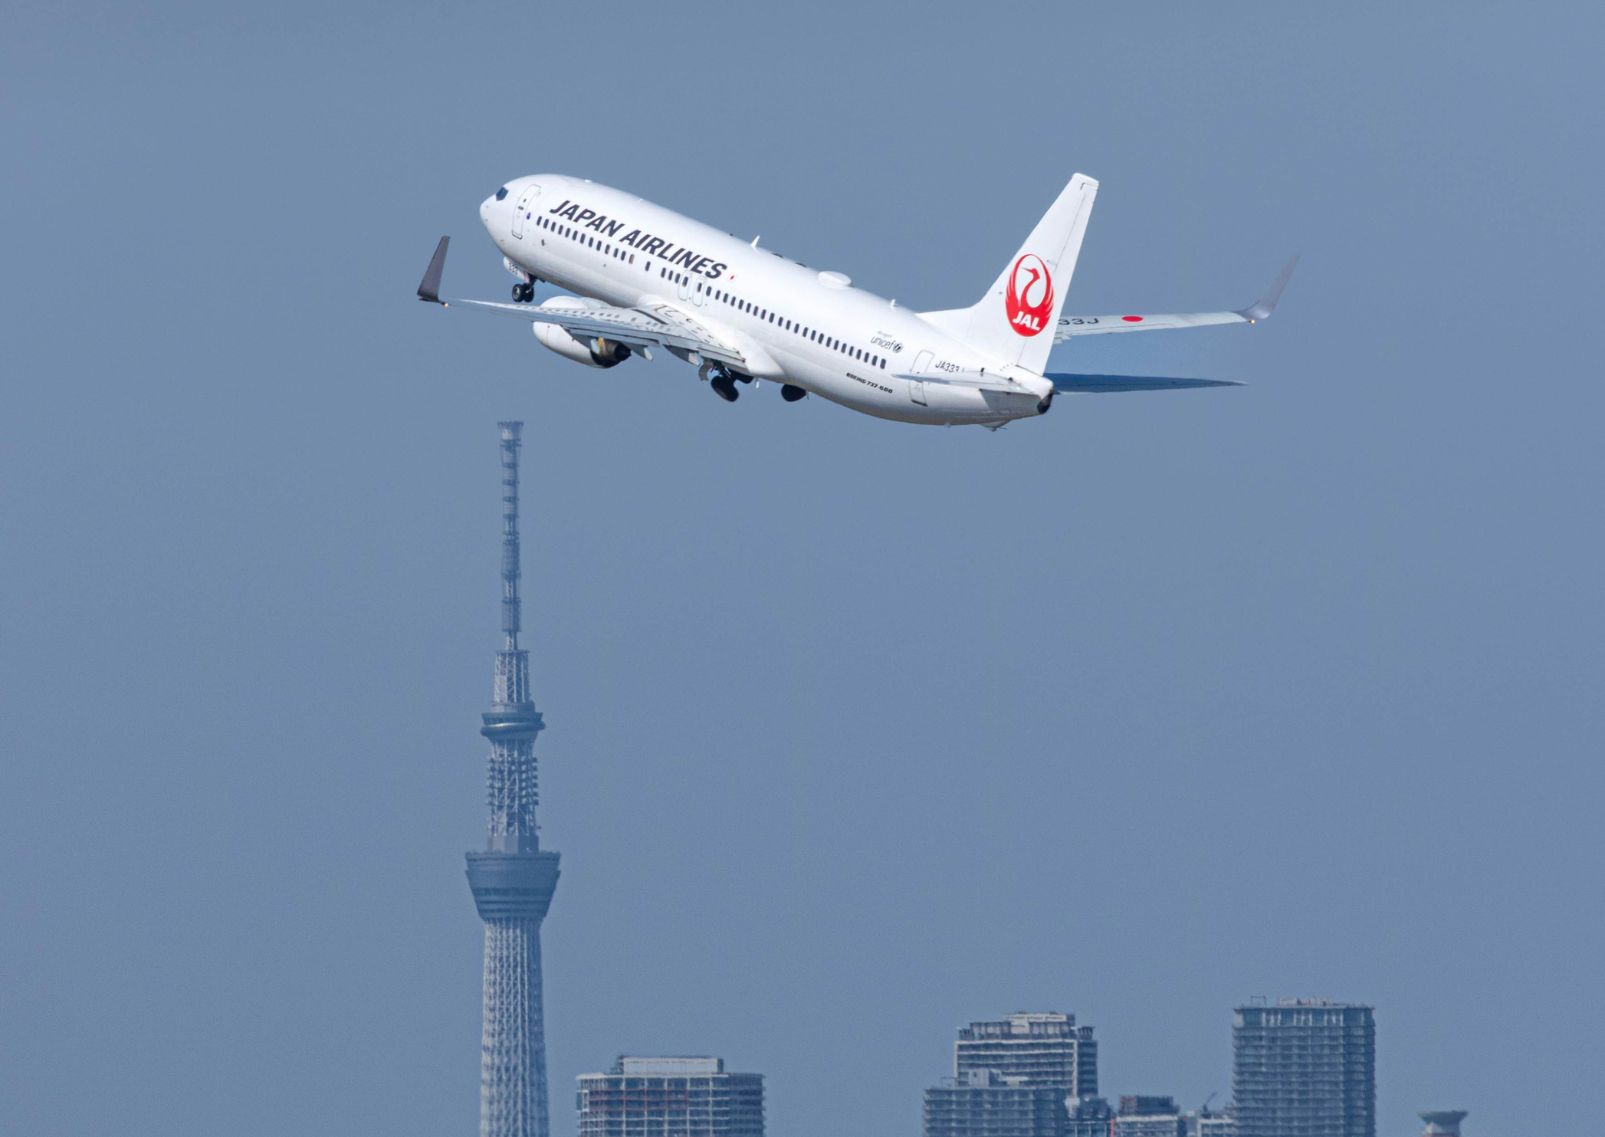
pixel 512 880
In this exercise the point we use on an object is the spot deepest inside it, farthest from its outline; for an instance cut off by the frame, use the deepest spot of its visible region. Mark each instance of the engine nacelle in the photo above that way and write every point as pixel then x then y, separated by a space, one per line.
pixel 597 353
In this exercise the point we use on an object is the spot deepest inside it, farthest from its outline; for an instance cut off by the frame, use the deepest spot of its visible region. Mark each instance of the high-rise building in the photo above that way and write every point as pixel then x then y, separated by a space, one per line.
pixel 1015 1078
pixel 1304 1068
pixel 983 1103
pixel 1146 1116
pixel 1043 1048
pixel 513 879
pixel 671 1097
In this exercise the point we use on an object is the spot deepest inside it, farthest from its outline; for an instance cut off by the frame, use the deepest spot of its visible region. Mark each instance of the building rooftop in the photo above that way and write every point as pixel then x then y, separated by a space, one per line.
pixel 667 1067
pixel 1051 1024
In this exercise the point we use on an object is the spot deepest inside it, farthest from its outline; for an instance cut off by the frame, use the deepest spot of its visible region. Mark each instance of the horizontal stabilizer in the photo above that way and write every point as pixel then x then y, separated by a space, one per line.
pixel 1064 384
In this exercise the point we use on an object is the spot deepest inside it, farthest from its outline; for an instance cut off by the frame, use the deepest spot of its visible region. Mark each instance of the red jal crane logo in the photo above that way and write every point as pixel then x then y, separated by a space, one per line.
pixel 1029 297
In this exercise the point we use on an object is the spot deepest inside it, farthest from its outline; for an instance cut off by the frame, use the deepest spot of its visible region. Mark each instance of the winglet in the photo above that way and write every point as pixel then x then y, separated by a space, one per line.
pixel 1266 304
pixel 429 286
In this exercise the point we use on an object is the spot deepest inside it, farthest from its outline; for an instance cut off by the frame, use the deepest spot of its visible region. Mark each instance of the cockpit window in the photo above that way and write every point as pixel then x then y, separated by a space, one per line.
pixel 501 193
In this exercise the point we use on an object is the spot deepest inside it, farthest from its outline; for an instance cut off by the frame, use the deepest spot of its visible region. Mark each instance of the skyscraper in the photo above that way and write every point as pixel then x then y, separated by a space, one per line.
pixel 1015 1078
pixel 1304 1068
pixel 512 880
pixel 1040 1048
pixel 671 1097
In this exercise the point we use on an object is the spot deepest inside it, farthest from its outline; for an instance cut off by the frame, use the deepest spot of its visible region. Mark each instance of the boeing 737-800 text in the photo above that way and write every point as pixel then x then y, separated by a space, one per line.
pixel 645 277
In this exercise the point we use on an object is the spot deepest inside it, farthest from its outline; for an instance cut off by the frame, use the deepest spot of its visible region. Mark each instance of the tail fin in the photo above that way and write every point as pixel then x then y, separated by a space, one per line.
pixel 1016 318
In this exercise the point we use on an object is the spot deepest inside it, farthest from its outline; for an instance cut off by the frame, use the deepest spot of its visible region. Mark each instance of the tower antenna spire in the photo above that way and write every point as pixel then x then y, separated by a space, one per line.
pixel 512 616
pixel 513 879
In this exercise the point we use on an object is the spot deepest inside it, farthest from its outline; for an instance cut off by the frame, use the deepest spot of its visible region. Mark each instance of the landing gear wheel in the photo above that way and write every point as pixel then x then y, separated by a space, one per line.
pixel 791 393
pixel 523 293
pixel 725 388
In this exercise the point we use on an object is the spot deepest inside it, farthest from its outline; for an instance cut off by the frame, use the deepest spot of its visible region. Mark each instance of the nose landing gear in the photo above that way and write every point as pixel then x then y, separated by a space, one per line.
pixel 792 393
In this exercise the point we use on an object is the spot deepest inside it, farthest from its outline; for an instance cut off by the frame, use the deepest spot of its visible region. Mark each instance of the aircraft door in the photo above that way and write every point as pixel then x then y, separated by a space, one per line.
pixel 916 387
pixel 522 210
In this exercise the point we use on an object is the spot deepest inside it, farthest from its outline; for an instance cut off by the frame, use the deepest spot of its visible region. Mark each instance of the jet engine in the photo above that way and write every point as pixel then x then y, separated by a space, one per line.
pixel 592 353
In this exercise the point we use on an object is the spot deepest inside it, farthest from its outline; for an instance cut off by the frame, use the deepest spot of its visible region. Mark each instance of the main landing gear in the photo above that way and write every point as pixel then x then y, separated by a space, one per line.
pixel 523 292
pixel 723 380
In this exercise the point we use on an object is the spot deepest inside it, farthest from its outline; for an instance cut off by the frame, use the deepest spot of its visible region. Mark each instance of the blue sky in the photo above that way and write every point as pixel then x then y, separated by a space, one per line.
pixel 857 731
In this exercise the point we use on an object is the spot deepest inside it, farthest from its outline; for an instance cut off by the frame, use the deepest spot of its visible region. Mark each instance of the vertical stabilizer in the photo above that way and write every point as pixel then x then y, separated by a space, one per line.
pixel 1016 318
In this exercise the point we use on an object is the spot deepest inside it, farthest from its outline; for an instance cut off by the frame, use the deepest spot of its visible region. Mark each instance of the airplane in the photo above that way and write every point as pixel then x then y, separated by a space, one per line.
pixel 645 278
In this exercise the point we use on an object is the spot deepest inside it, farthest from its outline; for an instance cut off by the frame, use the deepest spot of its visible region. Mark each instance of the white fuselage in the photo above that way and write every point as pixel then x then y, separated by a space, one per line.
pixel 791 323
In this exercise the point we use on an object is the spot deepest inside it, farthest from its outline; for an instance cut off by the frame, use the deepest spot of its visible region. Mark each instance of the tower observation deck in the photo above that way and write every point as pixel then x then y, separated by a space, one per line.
pixel 513 879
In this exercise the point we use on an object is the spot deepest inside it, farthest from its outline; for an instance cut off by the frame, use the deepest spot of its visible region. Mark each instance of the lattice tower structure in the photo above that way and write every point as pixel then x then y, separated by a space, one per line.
pixel 513 879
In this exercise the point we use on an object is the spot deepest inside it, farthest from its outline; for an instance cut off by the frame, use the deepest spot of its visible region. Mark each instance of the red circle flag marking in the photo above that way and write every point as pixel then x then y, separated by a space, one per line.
pixel 1132 319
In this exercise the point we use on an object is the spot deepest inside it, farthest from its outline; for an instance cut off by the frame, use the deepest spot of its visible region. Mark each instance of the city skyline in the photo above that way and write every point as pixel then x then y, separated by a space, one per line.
pixel 1302 1067
pixel 1029 1074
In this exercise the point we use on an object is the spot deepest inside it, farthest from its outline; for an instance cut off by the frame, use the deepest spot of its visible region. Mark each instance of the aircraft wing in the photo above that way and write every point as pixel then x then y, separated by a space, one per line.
pixel 639 328
pixel 1072 326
